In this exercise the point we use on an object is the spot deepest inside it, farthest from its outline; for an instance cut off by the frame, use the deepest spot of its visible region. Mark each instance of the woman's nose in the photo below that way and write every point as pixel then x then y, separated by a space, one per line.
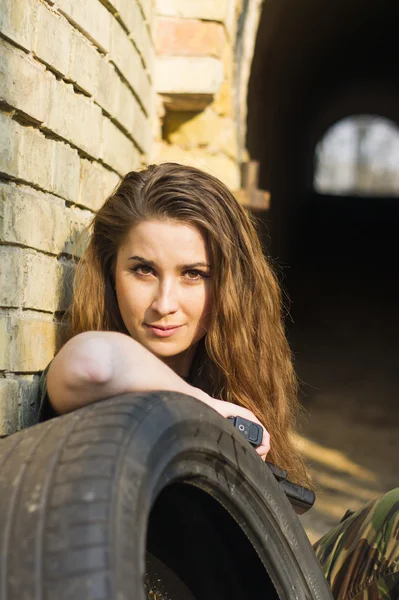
pixel 165 300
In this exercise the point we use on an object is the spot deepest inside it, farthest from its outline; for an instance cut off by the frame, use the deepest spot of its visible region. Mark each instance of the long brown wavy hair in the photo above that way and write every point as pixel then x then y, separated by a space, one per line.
pixel 244 357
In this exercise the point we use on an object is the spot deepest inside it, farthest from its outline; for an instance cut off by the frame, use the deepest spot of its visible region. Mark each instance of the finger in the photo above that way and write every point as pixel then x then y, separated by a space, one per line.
pixel 262 451
pixel 265 440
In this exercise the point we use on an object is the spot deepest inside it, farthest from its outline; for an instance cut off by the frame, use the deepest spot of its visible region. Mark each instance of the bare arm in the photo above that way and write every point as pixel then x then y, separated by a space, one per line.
pixel 100 364
pixel 96 365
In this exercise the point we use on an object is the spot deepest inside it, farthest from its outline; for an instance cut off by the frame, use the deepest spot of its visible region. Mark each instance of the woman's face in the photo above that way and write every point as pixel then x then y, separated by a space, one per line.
pixel 162 282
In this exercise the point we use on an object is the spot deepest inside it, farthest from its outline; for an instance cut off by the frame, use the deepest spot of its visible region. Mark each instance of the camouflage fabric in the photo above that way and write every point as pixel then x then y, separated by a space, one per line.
pixel 360 557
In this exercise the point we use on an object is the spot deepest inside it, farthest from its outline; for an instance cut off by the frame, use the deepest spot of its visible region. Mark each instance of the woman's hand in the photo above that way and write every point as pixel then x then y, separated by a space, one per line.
pixel 228 409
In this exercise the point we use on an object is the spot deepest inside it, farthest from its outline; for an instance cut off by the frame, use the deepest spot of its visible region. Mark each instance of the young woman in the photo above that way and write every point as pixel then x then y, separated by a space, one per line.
pixel 174 293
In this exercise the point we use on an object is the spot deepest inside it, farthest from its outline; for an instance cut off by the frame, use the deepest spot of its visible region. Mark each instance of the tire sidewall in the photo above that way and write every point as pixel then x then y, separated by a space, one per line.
pixel 182 439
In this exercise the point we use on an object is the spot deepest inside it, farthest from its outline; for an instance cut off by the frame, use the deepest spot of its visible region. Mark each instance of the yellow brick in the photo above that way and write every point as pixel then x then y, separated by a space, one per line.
pixel 23 82
pixel 194 9
pixel 78 220
pixel 11 276
pixel 188 75
pixel 96 184
pixel 10 134
pixel 42 281
pixel 74 118
pixel 47 227
pixel 108 87
pixel 119 151
pixel 147 7
pixel 35 158
pixel 25 153
pixel 125 56
pixel 16 21
pixel 90 17
pixel 65 182
pixel 132 16
pixel 133 119
pixel 84 63
pixel 8 406
pixel 48 283
pixel 51 28
pixel 4 343
pixel 33 344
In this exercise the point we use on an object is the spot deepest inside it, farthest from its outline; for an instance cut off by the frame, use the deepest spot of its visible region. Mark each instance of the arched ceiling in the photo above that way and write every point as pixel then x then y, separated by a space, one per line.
pixel 315 63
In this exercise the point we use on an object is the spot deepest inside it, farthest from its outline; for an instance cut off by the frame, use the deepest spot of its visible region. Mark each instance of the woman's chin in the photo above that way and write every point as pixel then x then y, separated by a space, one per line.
pixel 165 350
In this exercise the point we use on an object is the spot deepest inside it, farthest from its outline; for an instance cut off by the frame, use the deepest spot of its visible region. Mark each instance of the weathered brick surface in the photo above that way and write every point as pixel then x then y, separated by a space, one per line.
pixel 194 9
pixel 48 283
pixel 188 37
pixel 108 85
pixel 37 220
pixel 146 7
pixel 24 84
pixel 25 153
pixel 45 228
pixel 4 342
pixel 128 61
pixel 114 6
pixel 84 64
pixel 16 18
pixel 127 107
pixel 118 150
pixel 35 158
pixel 131 116
pixel 133 18
pixel 66 170
pixel 11 276
pixel 90 17
pixel 34 280
pixel 75 118
pixel 52 39
pixel 9 399
pixel 10 134
pixel 33 341
pixel 42 281
pixel 96 184
pixel 77 221
pixel 188 75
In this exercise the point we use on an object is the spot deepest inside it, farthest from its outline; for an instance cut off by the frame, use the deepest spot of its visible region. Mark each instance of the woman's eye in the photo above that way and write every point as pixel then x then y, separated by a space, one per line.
pixel 142 270
pixel 196 275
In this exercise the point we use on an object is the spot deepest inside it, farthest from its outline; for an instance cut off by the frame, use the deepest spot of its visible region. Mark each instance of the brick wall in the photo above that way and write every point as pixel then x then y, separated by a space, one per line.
pixel 195 78
pixel 76 97
pixel 90 89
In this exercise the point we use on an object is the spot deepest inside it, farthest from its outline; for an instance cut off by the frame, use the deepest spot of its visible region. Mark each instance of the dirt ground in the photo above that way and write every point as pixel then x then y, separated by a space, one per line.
pixel 353 453
pixel 346 349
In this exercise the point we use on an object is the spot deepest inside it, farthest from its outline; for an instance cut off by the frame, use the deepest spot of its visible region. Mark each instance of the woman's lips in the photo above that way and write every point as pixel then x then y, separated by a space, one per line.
pixel 163 332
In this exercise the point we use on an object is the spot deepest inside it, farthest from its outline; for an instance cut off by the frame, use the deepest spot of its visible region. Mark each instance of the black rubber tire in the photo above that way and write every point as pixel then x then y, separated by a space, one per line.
pixel 88 498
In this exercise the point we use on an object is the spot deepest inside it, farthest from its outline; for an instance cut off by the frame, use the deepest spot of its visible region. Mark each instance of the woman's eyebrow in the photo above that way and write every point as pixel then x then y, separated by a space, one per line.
pixel 152 263
pixel 141 259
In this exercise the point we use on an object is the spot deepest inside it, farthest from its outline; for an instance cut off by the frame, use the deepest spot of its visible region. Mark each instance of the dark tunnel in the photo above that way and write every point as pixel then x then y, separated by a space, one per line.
pixel 316 63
